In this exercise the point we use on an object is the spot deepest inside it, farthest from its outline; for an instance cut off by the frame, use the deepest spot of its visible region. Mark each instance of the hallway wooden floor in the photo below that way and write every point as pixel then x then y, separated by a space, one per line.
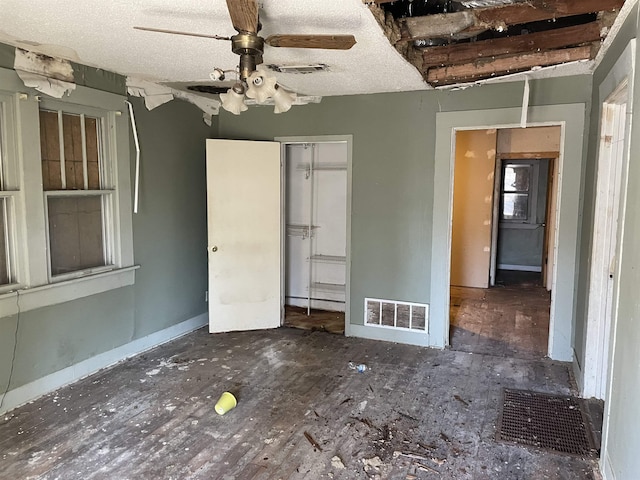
pixel 302 413
pixel 509 320
pixel 318 320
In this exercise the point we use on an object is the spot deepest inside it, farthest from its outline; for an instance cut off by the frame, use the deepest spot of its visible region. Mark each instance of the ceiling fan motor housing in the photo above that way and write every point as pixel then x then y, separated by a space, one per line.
pixel 249 46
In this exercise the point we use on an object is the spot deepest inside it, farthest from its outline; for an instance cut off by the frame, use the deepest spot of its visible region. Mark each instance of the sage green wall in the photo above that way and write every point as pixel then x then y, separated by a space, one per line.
pixel 169 235
pixel 170 228
pixel 622 437
pixel 393 167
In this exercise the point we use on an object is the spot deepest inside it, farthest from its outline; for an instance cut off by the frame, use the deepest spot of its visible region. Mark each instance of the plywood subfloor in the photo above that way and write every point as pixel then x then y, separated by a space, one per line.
pixel 414 413
pixel 321 320
pixel 509 321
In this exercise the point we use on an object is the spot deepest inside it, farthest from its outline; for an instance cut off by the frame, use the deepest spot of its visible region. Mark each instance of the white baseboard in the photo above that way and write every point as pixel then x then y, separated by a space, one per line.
pixel 605 467
pixel 26 393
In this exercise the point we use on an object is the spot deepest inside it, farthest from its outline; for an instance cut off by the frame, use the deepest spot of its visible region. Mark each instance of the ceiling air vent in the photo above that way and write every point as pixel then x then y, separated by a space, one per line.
pixel 300 69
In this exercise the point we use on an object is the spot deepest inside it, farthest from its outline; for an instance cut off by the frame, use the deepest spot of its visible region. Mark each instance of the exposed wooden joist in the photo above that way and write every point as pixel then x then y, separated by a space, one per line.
pixel 537 10
pixel 539 41
pixel 478 70
pixel 498 18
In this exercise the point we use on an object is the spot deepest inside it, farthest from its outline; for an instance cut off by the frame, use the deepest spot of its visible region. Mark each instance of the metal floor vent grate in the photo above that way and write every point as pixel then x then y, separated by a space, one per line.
pixel 550 422
pixel 395 314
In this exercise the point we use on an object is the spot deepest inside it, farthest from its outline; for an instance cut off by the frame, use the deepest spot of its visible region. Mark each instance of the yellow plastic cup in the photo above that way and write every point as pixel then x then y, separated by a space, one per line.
pixel 225 403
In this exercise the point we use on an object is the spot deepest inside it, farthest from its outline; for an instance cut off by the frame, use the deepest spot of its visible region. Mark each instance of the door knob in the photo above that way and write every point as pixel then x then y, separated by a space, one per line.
pixel 214 249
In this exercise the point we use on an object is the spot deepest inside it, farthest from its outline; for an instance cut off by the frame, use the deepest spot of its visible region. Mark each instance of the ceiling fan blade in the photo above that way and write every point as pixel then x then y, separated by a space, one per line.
pixel 244 15
pixel 330 42
pixel 176 32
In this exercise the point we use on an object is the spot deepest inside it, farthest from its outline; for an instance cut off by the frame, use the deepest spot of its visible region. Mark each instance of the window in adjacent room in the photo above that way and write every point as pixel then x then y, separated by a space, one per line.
pixel 78 191
pixel 519 192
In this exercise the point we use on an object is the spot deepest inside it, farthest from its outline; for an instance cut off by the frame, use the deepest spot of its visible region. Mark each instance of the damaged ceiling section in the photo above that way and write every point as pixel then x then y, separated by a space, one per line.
pixel 453 42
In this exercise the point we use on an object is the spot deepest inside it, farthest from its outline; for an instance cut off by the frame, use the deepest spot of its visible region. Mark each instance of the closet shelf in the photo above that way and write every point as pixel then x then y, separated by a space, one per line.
pixel 294 230
pixel 328 258
pixel 306 167
pixel 331 166
pixel 328 287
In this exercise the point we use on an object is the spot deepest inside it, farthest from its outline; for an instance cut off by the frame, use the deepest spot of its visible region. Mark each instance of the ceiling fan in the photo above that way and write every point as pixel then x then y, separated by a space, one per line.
pixel 250 47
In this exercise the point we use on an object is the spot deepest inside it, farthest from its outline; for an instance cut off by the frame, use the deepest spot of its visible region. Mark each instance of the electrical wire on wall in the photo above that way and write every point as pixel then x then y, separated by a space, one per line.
pixel 134 130
pixel 15 349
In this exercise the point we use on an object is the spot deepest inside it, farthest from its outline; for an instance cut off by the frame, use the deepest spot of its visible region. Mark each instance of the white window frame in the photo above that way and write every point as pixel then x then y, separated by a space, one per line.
pixel 532 193
pixel 34 286
pixel 108 159
pixel 9 185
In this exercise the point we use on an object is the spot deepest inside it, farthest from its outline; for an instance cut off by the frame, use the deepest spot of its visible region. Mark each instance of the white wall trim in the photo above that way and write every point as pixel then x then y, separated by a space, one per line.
pixel 25 299
pixel 29 392
pixel 606 469
pixel 348 139
pixel 571 118
pixel 595 350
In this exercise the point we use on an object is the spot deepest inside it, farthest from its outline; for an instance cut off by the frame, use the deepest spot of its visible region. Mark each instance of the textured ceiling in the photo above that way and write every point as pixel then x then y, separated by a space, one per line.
pixel 101 34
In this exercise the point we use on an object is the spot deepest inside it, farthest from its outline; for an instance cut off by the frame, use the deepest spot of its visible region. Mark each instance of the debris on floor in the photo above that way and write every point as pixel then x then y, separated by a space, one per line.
pixel 408 426
pixel 361 367
pixel 336 462
pixel 312 441
pixel 374 462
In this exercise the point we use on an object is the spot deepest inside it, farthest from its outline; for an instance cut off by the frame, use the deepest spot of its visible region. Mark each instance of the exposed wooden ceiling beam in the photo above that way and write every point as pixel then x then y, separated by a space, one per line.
pixel 533 42
pixel 499 18
pixel 479 70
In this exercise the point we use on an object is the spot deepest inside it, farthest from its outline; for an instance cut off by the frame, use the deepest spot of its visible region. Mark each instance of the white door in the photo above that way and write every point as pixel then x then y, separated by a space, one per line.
pixel 601 305
pixel 243 221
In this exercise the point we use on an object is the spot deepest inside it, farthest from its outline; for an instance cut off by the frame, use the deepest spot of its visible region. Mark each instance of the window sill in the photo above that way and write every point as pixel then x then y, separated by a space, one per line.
pixel 25 299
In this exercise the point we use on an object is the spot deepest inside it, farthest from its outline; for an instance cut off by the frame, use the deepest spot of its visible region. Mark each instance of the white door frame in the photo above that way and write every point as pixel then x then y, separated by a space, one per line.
pixel 604 262
pixel 284 141
pixel 615 92
pixel 570 118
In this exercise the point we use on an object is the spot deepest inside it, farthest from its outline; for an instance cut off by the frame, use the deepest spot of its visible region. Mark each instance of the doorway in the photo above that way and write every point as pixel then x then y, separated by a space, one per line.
pixel 315 210
pixel 502 197
pixel 611 181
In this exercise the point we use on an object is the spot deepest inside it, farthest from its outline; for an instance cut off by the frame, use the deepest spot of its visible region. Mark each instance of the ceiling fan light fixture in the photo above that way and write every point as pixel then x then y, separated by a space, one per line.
pixel 233 100
pixel 261 86
pixel 283 99
pixel 217 75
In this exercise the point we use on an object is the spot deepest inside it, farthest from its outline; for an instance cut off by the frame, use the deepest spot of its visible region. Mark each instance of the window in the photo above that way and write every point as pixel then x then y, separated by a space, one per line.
pixel 519 192
pixel 8 192
pixel 65 196
pixel 77 190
